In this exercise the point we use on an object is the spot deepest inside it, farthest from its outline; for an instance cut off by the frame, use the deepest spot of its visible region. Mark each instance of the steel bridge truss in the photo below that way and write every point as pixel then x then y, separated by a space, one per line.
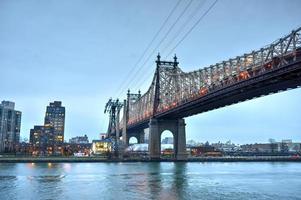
pixel 171 87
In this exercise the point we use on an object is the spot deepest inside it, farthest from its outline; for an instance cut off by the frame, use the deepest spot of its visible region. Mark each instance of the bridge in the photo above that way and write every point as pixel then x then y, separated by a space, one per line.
pixel 174 94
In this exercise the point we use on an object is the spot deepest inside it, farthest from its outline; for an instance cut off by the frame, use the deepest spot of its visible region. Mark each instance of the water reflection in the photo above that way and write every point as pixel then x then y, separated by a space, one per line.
pixel 179 180
pixel 67 167
pixel 167 182
pixel 154 181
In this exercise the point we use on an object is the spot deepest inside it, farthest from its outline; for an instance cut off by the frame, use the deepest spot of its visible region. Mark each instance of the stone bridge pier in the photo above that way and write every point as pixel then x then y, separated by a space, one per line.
pixel 138 134
pixel 176 127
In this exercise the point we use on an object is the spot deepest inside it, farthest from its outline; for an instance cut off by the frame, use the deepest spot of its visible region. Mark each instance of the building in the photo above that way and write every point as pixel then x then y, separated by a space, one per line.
pixel 48 139
pixel 79 140
pixel 55 116
pixel 10 123
pixel 285 146
pixel 102 147
pixel 294 147
pixel 24 149
pixel 167 140
pixel 225 147
pixel 42 140
pixel 72 149
pixel 288 145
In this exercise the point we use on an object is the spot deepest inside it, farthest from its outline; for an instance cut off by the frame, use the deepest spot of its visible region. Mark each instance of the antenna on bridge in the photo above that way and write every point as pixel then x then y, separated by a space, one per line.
pixel 139 93
pixel 129 92
pixel 158 61
pixel 158 57
pixel 175 62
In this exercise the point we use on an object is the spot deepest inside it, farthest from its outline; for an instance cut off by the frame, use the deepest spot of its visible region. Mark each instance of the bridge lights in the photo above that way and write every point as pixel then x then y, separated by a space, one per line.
pixel 203 91
pixel 268 65
pixel 244 75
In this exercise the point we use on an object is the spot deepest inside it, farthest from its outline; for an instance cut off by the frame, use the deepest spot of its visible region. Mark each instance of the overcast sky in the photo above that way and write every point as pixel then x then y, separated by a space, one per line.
pixel 80 52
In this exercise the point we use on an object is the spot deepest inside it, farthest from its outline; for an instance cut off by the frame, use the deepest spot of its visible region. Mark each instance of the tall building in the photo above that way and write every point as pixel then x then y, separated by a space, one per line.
pixel 49 138
pixel 55 117
pixel 10 123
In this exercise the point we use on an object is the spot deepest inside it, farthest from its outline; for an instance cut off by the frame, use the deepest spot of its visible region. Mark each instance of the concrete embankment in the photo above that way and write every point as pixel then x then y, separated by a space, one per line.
pixel 194 159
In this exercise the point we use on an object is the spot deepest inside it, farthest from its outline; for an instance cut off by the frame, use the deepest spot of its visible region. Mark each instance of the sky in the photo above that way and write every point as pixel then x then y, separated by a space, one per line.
pixel 82 52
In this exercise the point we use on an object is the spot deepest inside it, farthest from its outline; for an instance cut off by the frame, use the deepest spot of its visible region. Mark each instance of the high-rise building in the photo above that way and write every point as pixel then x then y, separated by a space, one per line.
pixel 55 117
pixel 10 123
pixel 49 138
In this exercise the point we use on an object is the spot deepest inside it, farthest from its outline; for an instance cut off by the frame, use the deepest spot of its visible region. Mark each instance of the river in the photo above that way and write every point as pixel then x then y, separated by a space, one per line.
pixel 166 180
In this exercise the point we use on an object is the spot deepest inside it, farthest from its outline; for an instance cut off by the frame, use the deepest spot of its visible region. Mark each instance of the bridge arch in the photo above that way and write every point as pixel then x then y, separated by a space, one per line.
pixel 167 143
pixel 133 140
pixel 135 137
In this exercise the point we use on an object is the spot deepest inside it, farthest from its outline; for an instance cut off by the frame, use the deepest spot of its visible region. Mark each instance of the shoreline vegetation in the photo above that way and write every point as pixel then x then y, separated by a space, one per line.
pixel 190 159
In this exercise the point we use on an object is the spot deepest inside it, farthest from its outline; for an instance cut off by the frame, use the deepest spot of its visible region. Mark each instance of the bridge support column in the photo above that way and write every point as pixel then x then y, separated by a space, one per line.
pixel 180 141
pixel 177 127
pixel 154 144
pixel 141 137
pixel 124 124
pixel 125 137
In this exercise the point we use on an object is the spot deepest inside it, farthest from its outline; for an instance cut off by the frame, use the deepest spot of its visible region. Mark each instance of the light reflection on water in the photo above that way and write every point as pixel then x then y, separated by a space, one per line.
pixel 150 181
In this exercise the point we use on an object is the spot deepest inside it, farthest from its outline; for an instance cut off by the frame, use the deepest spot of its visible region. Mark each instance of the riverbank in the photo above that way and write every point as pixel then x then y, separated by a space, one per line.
pixel 190 159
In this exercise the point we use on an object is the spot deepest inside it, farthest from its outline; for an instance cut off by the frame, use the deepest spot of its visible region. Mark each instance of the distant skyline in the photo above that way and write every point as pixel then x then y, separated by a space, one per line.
pixel 80 52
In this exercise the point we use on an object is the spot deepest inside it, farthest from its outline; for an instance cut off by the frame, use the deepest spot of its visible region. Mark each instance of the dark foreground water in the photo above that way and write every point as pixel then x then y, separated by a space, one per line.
pixel 150 181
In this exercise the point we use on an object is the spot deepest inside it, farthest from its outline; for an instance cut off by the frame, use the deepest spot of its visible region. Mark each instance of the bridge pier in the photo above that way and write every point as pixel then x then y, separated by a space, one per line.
pixel 139 134
pixel 177 127
pixel 141 137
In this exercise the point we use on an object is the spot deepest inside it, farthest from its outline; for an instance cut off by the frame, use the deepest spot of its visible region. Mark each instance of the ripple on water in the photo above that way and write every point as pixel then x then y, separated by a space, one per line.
pixel 47 178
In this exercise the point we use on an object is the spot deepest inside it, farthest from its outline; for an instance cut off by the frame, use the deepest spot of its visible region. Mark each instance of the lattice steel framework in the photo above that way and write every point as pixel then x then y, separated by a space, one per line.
pixel 113 107
pixel 172 87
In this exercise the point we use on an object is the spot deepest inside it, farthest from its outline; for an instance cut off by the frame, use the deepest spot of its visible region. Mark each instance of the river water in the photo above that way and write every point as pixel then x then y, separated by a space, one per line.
pixel 213 180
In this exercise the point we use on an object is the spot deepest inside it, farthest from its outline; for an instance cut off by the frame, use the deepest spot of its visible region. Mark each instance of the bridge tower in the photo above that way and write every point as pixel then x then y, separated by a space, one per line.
pixel 144 109
pixel 174 125
pixel 127 134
